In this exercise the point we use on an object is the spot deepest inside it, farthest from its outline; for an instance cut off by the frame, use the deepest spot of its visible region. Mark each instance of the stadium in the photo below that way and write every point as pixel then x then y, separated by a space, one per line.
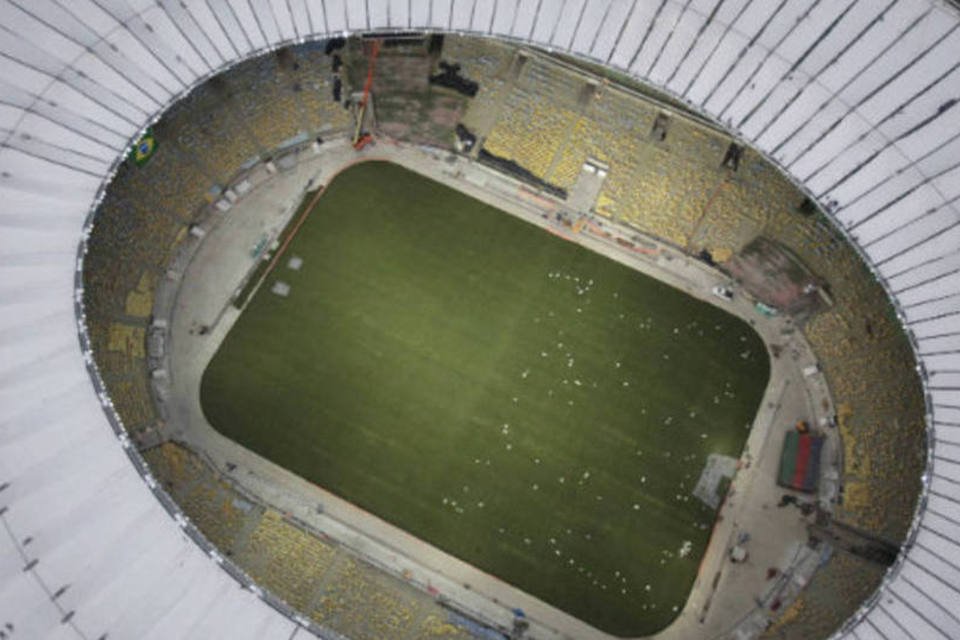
pixel 481 319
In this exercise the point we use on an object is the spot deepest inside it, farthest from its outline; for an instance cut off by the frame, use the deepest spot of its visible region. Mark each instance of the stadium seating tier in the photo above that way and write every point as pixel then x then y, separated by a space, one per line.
pixel 674 189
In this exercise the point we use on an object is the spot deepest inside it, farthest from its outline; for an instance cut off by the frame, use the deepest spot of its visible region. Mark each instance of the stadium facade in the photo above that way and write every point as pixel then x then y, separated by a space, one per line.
pixel 854 100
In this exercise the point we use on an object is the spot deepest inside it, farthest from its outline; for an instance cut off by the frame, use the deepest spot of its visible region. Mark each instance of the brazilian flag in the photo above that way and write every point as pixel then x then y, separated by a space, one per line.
pixel 143 150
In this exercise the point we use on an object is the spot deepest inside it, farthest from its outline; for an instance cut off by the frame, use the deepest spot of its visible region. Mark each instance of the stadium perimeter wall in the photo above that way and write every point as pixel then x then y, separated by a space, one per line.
pixel 879 145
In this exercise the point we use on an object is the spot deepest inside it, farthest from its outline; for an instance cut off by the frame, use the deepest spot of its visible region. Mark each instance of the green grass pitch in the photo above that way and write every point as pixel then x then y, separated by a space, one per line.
pixel 520 402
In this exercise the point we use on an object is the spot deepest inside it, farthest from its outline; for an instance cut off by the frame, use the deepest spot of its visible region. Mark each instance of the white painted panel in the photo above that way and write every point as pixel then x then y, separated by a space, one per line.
pixel 606 37
pixel 227 22
pixel 548 17
pixel 235 613
pixel 378 14
pixel 750 99
pixel 524 19
pixel 870 46
pixel 841 163
pixel 157 27
pixel 950 452
pixel 82 20
pixel 633 34
pixel 26 34
pixel 593 19
pixel 740 91
pixel 460 17
pixel 560 31
pixel 789 94
pixel 283 21
pixel 933 563
pixel 503 18
pixel 149 77
pixel 9 115
pixel 857 26
pixel 796 16
pixel 919 589
pixel 274 18
pixel 933 327
pixel 919 298
pixel 336 15
pixel 864 631
pixel 17 359
pixel 35 616
pixel 897 58
pixel 441 15
pixel 947 434
pixel 804 135
pixel 242 23
pixel 733 46
pixel 249 22
pixel 697 57
pixel 318 16
pixel 199 27
pixel 718 63
pixel 940 158
pixel 728 12
pixel 942 362
pixel 946 508
pixel 946 415
pixel 915 125
pixel 30 77
pixel 657 37
pixel 39 137
pixel 942 396
pixel 483 15
pixel 865 200
pixel 400 14
pixel 942 245
pixel 887 626
pixel 683 35
pixel 731 82
pixel 30 174
pixel 809 40
pixel 910 219
pixel 909 618
pixel 927 70
pixel 301 18
pixel 950 469
pixel 99 126
pixel 81 150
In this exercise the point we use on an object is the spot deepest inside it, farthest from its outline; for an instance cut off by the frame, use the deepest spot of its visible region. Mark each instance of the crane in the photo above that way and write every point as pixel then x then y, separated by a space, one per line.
pixel 360 137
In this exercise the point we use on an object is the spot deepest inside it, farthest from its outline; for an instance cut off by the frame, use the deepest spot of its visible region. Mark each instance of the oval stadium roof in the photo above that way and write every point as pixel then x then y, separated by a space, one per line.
pixel 855 99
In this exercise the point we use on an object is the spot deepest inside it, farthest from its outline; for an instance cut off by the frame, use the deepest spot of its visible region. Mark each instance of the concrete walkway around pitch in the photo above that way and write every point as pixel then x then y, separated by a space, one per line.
pixel 724 597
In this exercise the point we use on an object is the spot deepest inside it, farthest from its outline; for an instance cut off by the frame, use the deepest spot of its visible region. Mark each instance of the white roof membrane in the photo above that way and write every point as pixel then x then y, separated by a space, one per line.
pixel 861 111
